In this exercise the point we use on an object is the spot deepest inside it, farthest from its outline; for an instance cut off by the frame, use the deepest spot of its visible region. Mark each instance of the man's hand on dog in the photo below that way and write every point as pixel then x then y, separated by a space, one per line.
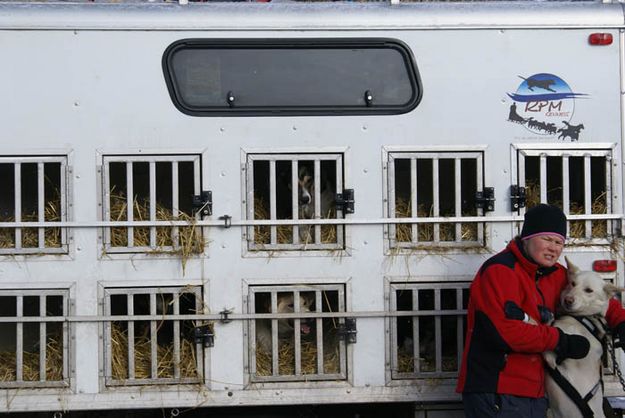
pixel 571 346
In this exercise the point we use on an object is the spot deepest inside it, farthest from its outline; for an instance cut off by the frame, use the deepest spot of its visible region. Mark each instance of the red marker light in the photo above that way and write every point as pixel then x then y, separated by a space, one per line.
pixel 604 266
pixel 600 39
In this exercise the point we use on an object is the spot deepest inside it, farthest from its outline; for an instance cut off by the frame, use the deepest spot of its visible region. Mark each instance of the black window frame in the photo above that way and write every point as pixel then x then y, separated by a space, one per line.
pixel 317 43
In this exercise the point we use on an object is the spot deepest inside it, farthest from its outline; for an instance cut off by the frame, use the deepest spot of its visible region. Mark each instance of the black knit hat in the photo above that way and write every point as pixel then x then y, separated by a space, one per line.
pixel 544 219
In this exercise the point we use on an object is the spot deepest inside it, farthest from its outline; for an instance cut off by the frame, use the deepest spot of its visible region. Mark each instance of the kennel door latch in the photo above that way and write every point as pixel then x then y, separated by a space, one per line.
pixel 347 330
pixel 345 201
pixel 485 199
pixel 517 197
pixel 203 203
pixel 204 335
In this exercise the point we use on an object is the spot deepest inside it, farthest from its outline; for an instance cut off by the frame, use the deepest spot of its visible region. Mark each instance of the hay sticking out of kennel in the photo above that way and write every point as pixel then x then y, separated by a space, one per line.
pixel 30 362
pixel 425 231
pixel 262 233
pixel 190 240
pixel 286 359
pixel 143 357
pixel 30 236
pixel 577 229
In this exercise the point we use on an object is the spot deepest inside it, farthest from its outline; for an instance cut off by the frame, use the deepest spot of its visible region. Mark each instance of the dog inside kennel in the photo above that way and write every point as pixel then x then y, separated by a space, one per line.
pixel 297 348
pixel 156 350
pixel 294 188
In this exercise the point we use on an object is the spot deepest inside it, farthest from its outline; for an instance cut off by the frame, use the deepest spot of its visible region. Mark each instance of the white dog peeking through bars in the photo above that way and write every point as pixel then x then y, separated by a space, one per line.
pixel 584 303
pixel 286 326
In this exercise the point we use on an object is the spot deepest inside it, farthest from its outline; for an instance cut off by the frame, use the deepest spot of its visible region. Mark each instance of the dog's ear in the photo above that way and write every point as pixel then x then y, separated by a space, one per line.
pixel 570 266
pixel 611 290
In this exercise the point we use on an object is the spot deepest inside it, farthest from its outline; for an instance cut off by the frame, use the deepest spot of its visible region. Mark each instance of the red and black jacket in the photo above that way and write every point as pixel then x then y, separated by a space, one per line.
pixel 504 355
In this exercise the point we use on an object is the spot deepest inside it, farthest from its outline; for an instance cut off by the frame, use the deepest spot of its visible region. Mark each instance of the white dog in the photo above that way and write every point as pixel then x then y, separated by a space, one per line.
pixel 586 295
pixel 286 327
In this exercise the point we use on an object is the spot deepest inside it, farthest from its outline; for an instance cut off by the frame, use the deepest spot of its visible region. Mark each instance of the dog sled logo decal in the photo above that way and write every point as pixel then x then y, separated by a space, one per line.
pixel 544 104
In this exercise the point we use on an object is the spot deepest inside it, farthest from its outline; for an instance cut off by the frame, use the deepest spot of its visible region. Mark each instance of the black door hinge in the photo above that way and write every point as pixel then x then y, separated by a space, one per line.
pixel 203 203
pixel 485 199
pixel 517 197
pixel 347 330
pixel 345 201
pixel 205 335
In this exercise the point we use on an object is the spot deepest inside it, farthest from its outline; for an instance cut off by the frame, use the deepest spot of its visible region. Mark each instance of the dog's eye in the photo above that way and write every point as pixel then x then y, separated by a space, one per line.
pixel 290 305
pixel 573 284
pixel 588 290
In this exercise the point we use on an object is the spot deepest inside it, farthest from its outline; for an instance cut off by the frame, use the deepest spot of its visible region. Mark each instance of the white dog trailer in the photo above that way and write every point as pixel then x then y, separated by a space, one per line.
pixel 264 204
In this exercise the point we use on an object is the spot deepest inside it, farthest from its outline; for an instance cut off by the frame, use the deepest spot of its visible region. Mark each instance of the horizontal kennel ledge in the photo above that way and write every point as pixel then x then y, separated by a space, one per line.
pixel 199 397
pixel 230 222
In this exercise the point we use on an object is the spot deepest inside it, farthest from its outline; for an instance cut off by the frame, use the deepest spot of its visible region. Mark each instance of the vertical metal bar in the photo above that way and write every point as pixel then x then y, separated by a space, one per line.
pixel 438 339
pixel 416 345
pixel 272 201
pixel 63 199
pixel 566 189
pixel 294 199
pixel 251 194
pixel 176 335
pixel 414 210
pixel 296 333
pixel 108 339
pixel 18 204
pixel 130 202
pixel 587 196
pixel 275 365
pixel 106 203
pixel 41 205
pixel 342 343
pixel 19 340
pixel 543 178
pixel 175 204
pixel 480 186
pixel 522 183
pixel 608 191
pixel 458 197
pixel 153 243
pixel 252 336
pixel 392 200
pixel 66 345
pixel 319 332
pixel 199 350
pixel 435 197
pixel 394 331
pixel 317 197
pixel 130 306
pixel 43 343
pixel 459 329
pixel 339 189
pixel 153 338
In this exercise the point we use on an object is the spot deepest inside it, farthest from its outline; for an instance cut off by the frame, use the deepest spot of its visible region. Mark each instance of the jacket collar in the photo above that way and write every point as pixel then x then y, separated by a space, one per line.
pixel 526 262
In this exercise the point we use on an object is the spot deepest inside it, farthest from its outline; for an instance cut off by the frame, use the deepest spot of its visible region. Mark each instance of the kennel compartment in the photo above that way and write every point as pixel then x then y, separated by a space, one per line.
pixel 162 189
pixel 434 184
pixel 294 187
pixel 34 189
pixel 305 346
pixel 34 348
pixel 427 329
pixel 579 181
pixel 153 341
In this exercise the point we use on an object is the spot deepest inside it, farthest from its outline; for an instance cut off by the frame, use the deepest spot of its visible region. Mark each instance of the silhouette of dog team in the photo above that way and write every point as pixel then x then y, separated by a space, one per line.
pixel 566 131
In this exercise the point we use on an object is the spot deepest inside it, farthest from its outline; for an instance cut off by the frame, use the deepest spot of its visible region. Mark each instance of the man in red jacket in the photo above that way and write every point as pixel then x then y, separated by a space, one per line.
pixel 512 299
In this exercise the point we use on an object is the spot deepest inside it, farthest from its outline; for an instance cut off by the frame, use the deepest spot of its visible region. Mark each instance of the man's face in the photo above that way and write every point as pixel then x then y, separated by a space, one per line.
pixel 545 249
